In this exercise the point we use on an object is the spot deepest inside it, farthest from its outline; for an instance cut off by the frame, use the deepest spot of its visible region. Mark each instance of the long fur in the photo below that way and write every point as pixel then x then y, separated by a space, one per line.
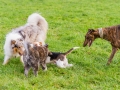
pixel 35 30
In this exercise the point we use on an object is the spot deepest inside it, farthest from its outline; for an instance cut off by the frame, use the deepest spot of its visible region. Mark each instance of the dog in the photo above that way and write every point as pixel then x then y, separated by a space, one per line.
pixel 59 58
pixel 111 34
pixel 34 30
pixel 34 56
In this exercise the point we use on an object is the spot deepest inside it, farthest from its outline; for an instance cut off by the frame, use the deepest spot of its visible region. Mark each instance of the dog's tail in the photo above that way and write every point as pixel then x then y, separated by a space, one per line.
pixel 37 19
pixel 69 51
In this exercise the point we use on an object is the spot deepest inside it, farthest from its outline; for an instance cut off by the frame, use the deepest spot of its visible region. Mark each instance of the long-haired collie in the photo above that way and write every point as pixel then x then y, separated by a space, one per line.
pixel 34 30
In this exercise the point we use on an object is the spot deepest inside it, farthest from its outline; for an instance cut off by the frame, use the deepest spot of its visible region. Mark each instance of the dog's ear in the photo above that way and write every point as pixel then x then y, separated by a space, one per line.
pixel 91 30
pixel 46 45
pixel 13 42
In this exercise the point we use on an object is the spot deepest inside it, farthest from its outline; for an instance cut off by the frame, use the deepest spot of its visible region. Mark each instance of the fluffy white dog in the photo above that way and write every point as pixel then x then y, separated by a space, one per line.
pixel 34 30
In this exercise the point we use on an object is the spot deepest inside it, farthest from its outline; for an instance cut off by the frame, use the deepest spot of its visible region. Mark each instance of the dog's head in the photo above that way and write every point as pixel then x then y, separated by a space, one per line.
pixel 89 37
pixel 17 46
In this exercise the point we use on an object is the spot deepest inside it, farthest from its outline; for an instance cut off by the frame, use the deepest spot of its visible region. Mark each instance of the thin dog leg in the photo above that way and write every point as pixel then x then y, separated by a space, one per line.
pixel 26 70
pixel 112 55
pixel 21 59
pixel 35 69
pixel 43 65
pixel 6 59
pixel 66 63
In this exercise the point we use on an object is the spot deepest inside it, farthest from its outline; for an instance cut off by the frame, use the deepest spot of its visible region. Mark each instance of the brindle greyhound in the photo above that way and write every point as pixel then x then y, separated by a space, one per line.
pixel 111 34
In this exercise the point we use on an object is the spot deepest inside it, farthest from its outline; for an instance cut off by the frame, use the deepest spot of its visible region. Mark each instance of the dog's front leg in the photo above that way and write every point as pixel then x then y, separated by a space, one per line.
pixel 21 59
pixel 114 49
pixel 6 59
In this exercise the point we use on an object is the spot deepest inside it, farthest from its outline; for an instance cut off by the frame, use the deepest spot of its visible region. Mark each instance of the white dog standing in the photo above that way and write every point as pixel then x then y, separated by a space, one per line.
pixel 34 30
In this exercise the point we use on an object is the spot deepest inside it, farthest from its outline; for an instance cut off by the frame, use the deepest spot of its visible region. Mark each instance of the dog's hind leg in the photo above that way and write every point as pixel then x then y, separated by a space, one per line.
pixel 112 55
pixel 43 65
pixel 6 59
pixel 66 63
pixel 26 69
pixel 35 68
pixel 60 63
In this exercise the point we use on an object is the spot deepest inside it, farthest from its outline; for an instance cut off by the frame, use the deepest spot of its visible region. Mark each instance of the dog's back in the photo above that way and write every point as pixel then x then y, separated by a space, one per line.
pixel 35 56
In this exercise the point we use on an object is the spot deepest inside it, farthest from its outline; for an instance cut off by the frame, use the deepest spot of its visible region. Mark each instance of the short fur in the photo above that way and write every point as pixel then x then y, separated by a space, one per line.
pixel 60 58
pixel 35 30
pixel 111 34
pixel 33 57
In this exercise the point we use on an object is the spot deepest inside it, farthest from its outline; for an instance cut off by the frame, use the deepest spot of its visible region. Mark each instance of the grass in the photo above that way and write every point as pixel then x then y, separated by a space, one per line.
pixel 68 21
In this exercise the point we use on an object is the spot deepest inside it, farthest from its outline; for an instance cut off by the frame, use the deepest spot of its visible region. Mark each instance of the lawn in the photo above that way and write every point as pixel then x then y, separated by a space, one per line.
pixel 68 20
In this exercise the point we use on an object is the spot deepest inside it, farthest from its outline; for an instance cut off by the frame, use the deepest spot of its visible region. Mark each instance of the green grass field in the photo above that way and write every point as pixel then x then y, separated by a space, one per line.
pixel 69 20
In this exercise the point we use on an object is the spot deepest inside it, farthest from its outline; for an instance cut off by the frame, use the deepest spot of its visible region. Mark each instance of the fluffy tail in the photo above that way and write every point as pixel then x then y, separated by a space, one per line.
pixel 37 19
pixel 69 51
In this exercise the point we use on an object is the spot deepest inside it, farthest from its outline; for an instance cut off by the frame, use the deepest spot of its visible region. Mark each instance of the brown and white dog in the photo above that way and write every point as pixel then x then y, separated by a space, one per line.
pixel 35 30
pixel 59 58
pixel 34 56
pixel 111 34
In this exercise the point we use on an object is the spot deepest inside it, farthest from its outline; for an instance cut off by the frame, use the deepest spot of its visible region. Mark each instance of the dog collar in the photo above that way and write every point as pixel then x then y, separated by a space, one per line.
pixel 100 32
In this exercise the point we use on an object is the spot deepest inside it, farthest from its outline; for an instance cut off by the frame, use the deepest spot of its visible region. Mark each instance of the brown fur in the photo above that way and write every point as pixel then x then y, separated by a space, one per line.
pixel 35 56
pixel 111 34
pixel 17 47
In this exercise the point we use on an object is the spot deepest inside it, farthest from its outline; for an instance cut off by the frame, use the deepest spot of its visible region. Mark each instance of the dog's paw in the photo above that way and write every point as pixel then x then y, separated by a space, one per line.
pixel 45 69
pixel 69 65
pixel 3 64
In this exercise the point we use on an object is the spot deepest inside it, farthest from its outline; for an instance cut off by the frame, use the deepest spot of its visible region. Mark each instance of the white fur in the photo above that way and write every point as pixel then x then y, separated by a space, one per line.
pixel 34 18
pixel 7 46
pixel 40 26
pixel 63 64
pixel 100 32
pixel 60 63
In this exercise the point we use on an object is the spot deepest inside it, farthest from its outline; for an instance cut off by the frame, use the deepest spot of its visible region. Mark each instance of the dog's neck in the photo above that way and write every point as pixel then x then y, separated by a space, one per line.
pixel 100 32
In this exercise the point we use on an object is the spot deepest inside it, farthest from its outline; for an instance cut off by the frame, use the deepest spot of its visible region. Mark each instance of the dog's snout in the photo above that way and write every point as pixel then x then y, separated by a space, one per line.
pixel 84 44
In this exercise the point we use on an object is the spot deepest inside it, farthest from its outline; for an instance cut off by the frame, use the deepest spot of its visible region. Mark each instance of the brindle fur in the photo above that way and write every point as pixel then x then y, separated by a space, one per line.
pixel 35 56
pixel 111 34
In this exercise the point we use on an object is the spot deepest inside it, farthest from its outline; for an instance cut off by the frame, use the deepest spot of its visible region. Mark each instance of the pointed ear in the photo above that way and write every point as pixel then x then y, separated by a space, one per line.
pixel 13 42
pixel 91 30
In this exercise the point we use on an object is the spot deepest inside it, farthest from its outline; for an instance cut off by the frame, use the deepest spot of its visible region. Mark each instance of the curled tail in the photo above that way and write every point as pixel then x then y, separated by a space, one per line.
pixel 37 19
pixel 69 51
